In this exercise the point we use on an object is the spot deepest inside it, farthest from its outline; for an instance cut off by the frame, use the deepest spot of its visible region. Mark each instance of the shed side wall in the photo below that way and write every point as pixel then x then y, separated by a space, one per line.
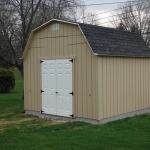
pixel 49 44
pixel 123 85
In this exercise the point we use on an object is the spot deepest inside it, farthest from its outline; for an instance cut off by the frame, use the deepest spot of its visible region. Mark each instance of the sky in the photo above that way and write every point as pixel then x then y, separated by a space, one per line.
pixel 103 8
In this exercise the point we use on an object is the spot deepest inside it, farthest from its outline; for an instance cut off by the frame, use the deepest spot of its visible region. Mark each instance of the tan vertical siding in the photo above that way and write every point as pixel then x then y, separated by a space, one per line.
pixel 79 76
pixel 89 84
pixel 61 50
pixel 25 85
pixel 127 85
pixel 111 86
pixel 70 40
pixel 65 39
pixel 48 39
pixel 100 88
pixel 147 87
pixel 54 46
pixel 37 72
pixel 134 85
pixel 108 91
pixel 84 78
pixel 32 74
pixel 74 52
pixel 25 89
pixel 119 88
pixel 95 86
pixel 123 85
pixel 29 78
pixel 57 43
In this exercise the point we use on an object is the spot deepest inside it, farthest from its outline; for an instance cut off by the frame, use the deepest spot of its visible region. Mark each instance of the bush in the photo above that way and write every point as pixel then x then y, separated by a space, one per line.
pixel 7 80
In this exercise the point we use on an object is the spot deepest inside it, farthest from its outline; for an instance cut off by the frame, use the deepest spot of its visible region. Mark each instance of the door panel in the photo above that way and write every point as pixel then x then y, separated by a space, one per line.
pixel 57 84
pixel 49 87
pixel 52 87
pixel 64 87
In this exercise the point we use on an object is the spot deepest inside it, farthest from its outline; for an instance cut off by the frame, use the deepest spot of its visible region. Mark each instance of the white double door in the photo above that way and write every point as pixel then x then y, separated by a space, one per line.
pixel 57 87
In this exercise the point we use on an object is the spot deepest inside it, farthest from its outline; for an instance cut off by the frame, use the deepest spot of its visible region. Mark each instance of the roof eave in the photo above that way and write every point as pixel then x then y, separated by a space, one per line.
pixel 122 56
pixel 38 28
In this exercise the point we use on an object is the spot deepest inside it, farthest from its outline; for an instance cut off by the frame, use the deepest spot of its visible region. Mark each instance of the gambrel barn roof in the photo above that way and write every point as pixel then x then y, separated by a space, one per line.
pixel 106 41
pixel 113 42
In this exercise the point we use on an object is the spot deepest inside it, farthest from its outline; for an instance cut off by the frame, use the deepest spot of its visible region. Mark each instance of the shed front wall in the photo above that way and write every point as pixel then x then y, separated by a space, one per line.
pixel 46 45
pixel 123 85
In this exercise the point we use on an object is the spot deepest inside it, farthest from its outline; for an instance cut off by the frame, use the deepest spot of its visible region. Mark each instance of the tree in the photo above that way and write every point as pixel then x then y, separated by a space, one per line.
pixel 84 16
pixel 133 28
pixel 19 17
pixel 134 17
pixel 121 26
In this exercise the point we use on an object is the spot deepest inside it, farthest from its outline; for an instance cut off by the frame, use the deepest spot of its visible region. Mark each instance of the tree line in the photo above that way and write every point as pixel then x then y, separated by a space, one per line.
pixel 19 17
pixel 134 17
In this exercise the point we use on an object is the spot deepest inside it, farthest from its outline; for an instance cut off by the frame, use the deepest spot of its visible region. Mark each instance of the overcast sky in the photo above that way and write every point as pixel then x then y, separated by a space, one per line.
pixel 103 8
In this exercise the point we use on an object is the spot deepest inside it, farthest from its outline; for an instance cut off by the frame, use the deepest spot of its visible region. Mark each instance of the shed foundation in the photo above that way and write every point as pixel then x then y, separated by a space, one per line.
pixel 92 121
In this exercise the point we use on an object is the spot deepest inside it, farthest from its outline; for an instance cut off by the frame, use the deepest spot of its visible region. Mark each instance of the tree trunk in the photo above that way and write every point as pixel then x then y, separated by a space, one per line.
pixel 21 71
pixel 23 87
pixel 20 67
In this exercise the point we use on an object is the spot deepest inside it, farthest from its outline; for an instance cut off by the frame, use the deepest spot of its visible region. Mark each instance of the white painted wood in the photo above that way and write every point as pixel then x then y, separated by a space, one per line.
pixel 64 87
pixel 49 87
pixel 57 84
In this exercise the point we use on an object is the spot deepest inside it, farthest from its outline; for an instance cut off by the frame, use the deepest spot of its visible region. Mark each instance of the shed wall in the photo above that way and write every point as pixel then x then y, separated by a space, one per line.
pixel 47 44
pixel 123 85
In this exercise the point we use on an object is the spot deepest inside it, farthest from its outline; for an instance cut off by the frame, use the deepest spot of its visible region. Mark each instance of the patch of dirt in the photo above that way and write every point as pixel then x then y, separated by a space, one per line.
pixel 3 115
pixel 15 122
pixel 48 123
pixel 53 122
pixel 2 130
pixel 80 127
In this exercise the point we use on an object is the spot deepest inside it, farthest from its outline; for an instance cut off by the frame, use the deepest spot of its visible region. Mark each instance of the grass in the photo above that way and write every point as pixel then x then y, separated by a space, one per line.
pixel 21 132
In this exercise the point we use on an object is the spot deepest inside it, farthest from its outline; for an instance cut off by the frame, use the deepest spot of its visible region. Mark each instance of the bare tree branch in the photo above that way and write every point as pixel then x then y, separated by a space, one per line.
pixel 134 17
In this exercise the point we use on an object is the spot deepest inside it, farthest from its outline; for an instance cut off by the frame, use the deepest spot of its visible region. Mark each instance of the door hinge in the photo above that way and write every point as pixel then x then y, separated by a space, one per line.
pixel 42 91
pixel 41 61
pixel 71 115
pixel 42 111
pixel 71 60
pixel 71 93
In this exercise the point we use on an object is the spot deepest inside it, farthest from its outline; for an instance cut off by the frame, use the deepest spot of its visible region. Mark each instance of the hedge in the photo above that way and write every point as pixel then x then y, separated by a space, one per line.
pixel 7 80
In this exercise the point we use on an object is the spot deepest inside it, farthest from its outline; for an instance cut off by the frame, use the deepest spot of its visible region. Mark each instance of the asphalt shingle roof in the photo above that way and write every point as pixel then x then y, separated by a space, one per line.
pixel 109 41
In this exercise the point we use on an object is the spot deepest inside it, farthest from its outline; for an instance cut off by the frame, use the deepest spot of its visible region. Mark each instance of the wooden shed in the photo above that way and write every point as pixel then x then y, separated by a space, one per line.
pixel 82 72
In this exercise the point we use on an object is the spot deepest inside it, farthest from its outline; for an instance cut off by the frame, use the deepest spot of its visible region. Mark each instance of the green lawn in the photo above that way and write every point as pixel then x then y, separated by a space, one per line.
pixel 24 132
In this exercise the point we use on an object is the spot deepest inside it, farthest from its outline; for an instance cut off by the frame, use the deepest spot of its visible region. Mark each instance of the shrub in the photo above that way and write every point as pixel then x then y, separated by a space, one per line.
pixel 7 80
